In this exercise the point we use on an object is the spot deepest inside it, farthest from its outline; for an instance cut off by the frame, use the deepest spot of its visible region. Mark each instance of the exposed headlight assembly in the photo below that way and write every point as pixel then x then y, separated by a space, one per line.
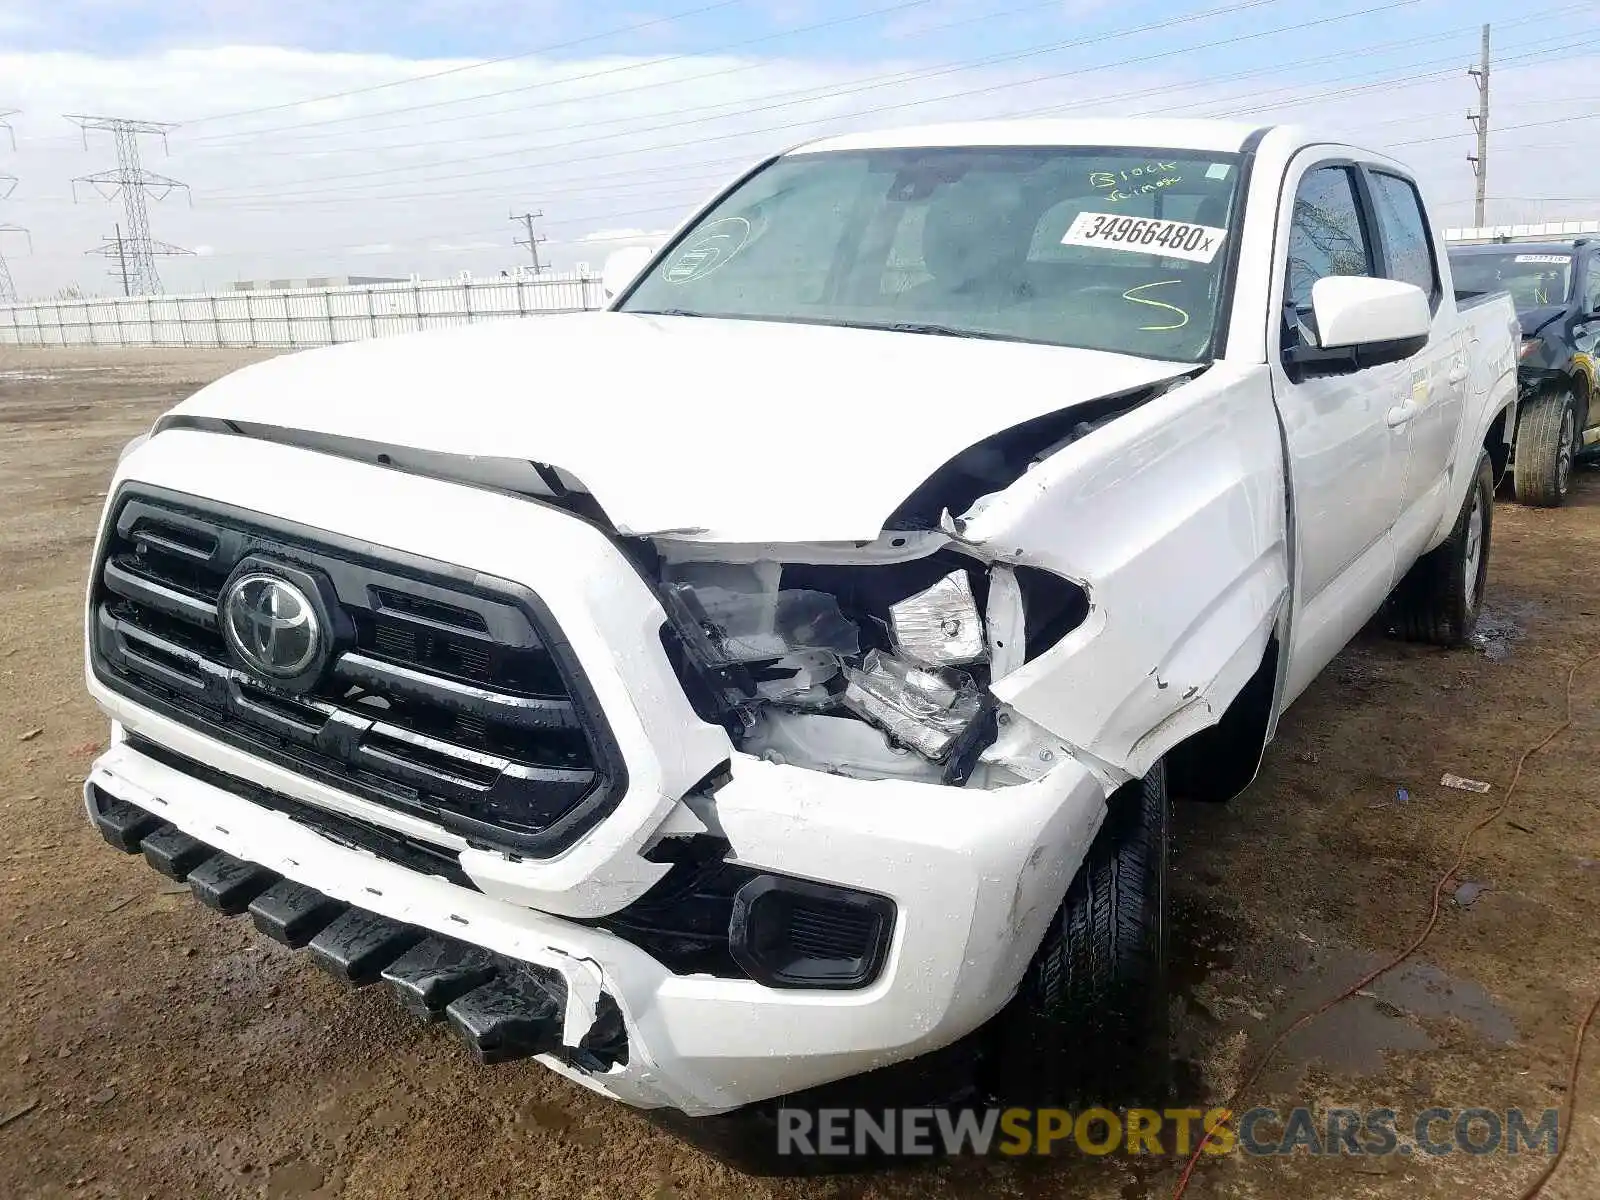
pixel 940 626
pixel 762 644
pixel 926 710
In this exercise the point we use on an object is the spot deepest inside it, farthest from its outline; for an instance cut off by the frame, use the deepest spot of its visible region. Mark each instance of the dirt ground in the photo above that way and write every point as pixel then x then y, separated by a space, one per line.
pixel 170 1052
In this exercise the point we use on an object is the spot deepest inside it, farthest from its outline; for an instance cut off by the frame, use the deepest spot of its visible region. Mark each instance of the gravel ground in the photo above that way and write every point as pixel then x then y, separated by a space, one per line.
pixel 167 1051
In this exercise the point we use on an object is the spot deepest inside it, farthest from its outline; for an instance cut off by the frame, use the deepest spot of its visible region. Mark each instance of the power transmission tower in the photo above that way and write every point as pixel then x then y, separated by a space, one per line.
pixel 1480 122
pixel 8 184
pixel 137 249
pixel 533 240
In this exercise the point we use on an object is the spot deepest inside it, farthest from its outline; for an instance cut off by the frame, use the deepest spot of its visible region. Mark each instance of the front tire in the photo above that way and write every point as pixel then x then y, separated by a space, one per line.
pixel 1441 596
pixel 1089 1024
pixel 1547 439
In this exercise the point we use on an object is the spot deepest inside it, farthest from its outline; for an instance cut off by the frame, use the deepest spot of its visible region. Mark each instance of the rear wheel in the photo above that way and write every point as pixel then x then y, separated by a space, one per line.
pixel 1439 599
pixel 1547 438
pixel 1089 1024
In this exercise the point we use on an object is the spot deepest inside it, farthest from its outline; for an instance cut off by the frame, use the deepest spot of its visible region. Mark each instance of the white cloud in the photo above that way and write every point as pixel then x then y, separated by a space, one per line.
pixel 615 151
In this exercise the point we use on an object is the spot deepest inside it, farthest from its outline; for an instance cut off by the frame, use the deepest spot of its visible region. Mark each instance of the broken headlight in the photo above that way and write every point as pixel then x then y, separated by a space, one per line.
pixel 940 626
pixel 927 710
pixel 761 645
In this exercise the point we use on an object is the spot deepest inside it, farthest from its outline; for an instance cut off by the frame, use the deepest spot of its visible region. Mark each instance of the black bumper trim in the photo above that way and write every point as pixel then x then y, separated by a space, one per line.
pixel 504 1009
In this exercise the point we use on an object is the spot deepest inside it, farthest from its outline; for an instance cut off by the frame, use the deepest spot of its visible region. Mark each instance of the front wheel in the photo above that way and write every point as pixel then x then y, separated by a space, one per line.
pixel 1441 596
pixel 1547 438
pixel 1089 1024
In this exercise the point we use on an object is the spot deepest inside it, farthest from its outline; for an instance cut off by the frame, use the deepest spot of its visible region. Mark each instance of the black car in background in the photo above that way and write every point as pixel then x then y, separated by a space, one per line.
pixel 1556 286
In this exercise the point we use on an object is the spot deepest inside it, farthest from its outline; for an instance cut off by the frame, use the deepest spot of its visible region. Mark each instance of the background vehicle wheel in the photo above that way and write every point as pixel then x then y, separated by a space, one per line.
pixel 1439 599
pixel 1090 1024
pixel 1547 437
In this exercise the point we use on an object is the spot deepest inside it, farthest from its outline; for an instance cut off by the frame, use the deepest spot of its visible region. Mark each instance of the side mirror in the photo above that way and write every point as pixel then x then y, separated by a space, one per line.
pixel 1353 311
pixel 622 267
pixel 1358 322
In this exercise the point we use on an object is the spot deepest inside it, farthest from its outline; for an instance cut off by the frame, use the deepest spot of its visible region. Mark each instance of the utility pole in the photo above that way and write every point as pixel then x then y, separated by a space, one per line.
pixel 1480 122
pixel 115 245
pixel 137 251
pixel 533 240
pixel 8 184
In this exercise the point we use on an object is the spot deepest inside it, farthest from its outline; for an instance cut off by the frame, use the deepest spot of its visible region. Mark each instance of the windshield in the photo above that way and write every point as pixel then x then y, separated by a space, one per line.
pixel 1535 280
pixel 1117 250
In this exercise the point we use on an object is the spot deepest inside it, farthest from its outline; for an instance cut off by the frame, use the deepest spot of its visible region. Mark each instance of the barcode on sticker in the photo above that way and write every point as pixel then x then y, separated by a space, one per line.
pixel 1553 259
pixel 1146 235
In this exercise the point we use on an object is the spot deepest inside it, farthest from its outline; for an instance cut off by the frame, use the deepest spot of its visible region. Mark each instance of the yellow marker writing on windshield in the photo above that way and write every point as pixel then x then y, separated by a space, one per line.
pixel 1132 298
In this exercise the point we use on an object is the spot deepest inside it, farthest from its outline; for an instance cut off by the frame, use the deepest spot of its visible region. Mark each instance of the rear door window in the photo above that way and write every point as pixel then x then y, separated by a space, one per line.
pixel 1408 247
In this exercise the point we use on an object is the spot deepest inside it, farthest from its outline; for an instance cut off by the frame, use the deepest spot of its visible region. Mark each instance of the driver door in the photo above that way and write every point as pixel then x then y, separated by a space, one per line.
pixel 1346 456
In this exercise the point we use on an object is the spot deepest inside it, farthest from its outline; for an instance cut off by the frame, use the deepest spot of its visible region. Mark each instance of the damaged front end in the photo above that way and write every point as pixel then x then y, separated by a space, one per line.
pixel 874 668
pixel 962 645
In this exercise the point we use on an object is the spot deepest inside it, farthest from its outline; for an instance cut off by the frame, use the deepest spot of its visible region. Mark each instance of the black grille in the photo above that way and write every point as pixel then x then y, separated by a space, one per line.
pixel 448 695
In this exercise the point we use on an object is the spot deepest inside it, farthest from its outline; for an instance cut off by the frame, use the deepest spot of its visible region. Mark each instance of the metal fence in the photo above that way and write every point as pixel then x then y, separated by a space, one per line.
pixel 293 317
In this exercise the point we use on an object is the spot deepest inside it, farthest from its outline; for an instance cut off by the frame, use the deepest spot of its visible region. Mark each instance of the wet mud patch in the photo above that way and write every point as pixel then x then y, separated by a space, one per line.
pixel 1237 986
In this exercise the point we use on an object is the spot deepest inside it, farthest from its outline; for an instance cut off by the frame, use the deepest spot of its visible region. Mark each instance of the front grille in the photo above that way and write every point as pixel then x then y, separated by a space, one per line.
pixel 448 695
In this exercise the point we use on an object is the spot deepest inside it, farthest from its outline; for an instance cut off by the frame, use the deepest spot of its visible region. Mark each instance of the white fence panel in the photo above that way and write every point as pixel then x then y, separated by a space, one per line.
pixel 293 317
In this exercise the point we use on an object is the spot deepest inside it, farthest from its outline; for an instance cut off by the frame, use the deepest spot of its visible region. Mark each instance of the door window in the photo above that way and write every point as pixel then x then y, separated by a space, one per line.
pixel 1326 235
pixel 1408 249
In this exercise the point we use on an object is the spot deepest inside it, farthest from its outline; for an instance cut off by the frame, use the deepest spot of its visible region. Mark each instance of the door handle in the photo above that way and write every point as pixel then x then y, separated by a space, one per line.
pixel 1458 375
pixel 1401 413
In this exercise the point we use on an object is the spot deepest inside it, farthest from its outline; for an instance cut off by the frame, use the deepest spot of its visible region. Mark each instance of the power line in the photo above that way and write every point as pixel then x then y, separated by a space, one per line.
pixel 988 17
pixel 858 113
pixel 472 66
pixel 562 81
pixel 1295 94
pixel 136 253
pixel 1410 79
pixel 1506 128
pixel 1480 122
pixel 636 178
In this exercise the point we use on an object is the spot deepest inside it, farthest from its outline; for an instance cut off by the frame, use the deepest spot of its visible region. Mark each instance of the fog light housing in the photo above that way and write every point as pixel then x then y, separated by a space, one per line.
pixel 940 626
pixel 791 933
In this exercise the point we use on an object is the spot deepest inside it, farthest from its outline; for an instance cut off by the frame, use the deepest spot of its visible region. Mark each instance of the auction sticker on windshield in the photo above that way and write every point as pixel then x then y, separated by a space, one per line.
pixel 1146 235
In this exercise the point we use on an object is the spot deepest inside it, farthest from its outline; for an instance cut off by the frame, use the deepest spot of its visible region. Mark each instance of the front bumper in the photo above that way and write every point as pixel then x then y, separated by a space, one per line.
pixel 974 875
pixel 973 904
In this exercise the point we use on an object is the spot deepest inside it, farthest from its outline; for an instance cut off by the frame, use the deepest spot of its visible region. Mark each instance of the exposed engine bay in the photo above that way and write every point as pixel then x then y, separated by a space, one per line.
pixel 870 669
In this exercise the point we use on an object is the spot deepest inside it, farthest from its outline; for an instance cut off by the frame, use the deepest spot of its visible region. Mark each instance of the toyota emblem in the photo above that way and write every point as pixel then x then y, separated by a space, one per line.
pixel 271 625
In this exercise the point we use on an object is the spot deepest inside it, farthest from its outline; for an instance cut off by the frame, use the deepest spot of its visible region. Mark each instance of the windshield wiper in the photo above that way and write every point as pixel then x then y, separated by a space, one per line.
pixel 942 331
pixel 665 312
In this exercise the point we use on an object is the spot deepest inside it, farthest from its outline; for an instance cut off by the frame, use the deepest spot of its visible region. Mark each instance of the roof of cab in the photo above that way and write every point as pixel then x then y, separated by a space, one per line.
pixel 1552 246
pixel 1216 137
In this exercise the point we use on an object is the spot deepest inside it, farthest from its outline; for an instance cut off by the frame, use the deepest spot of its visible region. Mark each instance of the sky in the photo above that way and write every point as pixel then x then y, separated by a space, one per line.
pixel 367 138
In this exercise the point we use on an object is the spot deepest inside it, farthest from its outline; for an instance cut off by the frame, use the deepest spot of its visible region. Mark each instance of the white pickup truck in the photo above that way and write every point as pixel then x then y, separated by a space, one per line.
pixel 785 679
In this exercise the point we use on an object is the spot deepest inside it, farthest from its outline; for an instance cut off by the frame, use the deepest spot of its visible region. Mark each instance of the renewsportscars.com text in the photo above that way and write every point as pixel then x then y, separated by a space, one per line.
pixel 1260 1132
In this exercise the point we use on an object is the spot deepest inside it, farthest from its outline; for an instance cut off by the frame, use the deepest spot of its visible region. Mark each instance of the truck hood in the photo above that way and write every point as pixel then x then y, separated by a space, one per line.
pixel 1533 320
pixel 719 430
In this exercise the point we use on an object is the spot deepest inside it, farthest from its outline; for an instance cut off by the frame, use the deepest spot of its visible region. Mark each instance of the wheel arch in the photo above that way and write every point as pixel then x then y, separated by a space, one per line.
pixel 1220 761
pixel 1582 394
pixel 1497 440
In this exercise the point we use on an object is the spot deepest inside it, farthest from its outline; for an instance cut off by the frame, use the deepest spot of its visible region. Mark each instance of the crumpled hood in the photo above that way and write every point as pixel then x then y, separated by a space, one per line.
pixel 740 431
pixel 1533 320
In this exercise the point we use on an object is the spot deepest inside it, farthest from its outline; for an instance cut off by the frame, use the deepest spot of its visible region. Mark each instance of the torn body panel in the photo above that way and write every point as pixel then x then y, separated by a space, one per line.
pixel 1172 520
pixel 1108 602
